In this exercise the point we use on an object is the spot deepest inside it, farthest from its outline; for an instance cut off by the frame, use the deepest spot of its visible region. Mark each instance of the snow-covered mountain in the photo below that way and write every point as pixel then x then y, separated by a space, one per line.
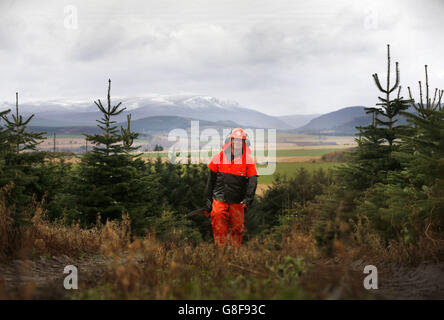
pixel 84 113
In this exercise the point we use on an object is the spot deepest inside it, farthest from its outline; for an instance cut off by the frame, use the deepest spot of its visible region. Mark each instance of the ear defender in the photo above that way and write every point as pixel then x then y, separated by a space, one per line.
pixel 247 141
pixel 227 139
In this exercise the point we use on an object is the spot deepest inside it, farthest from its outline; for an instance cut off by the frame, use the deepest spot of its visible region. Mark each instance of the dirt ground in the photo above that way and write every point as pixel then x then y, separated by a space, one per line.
pixel 404 282
pixel 44 278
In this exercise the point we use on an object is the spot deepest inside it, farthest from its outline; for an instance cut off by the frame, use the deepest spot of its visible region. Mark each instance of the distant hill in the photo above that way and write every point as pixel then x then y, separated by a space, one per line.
pixel 333 119
pixel 159 124
pixel 342 122
pixel 84 113
pixel 164 113
pixel 72 130
pixel 146 126
pixel 298 120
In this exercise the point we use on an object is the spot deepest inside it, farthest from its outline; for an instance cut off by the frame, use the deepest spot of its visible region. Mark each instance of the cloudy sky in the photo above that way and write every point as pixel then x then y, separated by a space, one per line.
pixel 276 56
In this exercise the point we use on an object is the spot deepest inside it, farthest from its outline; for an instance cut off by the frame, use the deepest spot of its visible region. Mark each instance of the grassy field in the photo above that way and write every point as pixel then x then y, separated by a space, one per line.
pixel 288 144
pixel 292 161
pixel 304 152
pixel 290 168
pixel 296 152
pixel 289 159
pixel 155 154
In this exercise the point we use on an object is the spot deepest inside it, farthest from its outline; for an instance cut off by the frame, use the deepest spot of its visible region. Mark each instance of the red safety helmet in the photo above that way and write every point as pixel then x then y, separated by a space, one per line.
pixel 238 133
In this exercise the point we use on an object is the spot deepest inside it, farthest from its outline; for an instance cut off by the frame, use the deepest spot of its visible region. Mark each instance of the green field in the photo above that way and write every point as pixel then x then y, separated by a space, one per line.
pixel 65 136
pixel 285 168
pixel 155 154
pixel 81 136
pixel 279 153
pixel 290 168
pixel 303 152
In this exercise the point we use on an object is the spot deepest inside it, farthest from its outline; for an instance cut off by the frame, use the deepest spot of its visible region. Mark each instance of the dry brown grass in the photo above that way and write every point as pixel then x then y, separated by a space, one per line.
pixel 424 249
pixel 73 160
pixel 153 159
pixel 262 188
pixel 153 269
pixel 10 236
pixel 147 268
pixel 261 269
pixel 38 236
pixel 297 159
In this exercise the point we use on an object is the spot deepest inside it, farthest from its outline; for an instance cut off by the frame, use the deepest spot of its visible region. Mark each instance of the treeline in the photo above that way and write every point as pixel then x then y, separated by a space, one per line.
pixel 110 182
pixel 390 187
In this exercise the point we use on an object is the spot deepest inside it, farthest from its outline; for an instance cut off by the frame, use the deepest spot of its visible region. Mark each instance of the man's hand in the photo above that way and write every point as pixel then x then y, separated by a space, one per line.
pixel 251 189
pixel 209 205
pixel 244 204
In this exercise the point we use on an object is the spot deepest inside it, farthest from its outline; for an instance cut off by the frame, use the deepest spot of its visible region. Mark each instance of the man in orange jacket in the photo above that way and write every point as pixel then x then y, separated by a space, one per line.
pixel 231 187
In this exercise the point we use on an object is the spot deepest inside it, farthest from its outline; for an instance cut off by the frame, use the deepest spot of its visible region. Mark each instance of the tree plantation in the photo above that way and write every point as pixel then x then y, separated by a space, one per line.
pixel 388 196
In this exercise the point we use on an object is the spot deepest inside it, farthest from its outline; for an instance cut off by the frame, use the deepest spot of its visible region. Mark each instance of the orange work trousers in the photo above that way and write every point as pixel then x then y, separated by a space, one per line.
pixel 227 220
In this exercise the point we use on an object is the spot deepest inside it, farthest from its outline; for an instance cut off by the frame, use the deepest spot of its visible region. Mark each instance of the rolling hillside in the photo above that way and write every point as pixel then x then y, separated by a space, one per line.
pixel 341 122
pixel 84 113
pixel 148 125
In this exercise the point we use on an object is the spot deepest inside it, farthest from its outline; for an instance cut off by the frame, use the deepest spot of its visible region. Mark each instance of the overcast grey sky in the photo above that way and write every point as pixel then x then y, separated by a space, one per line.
pixel 276 56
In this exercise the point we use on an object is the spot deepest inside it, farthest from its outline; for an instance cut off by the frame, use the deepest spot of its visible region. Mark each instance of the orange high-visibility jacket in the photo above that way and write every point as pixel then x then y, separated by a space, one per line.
pixel 232 179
